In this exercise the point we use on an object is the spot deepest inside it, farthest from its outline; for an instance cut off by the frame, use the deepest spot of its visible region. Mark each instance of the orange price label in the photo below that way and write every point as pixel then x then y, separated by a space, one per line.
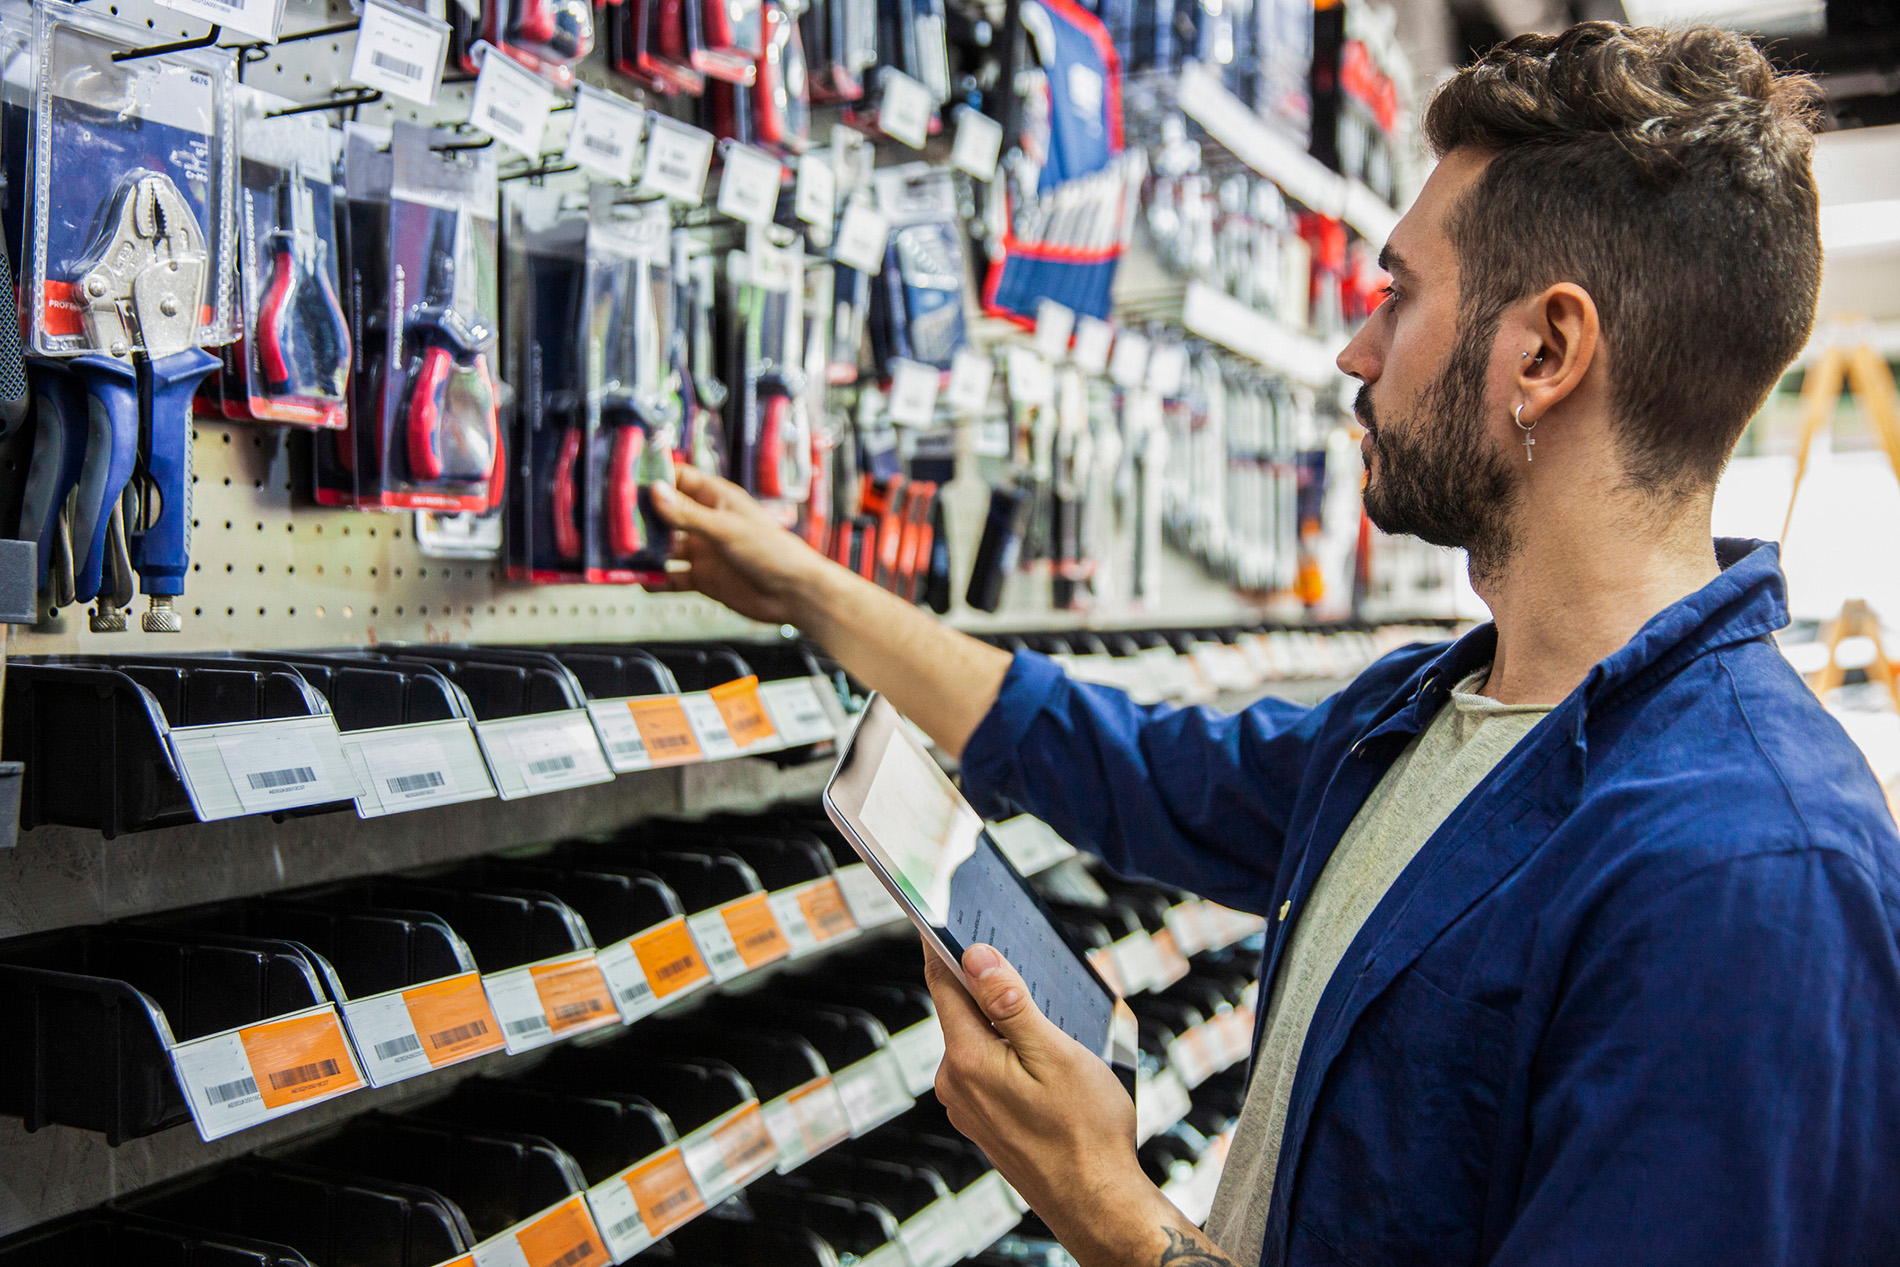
pixel 300 1059
pixel 820 1115
pixel 669 957
pixel 824 908
pixel 664 730
pixel 664 1192
pixel 745 1143
pixel 744 712
pixel 453 1019
pixel 573 993
pixel 755 933
pixel 1173 962
pixel 1103 961
pixel 563 1237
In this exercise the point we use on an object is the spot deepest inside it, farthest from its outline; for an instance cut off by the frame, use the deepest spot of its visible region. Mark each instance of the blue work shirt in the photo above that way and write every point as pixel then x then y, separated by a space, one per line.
pixel 1636 1001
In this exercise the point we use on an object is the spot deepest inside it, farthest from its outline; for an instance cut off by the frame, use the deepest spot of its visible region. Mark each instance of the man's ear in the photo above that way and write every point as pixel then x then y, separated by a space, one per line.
pixel 1561 331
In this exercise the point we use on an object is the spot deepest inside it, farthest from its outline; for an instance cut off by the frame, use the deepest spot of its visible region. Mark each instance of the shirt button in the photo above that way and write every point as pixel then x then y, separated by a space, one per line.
pixel 1284 908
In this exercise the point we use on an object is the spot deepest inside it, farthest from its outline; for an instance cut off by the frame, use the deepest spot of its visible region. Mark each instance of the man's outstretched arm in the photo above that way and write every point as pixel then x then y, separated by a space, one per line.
pixel 1055 1121
pixel 739 555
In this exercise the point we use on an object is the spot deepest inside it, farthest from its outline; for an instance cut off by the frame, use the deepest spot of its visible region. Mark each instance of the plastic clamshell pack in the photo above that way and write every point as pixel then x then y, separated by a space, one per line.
pixel 100 121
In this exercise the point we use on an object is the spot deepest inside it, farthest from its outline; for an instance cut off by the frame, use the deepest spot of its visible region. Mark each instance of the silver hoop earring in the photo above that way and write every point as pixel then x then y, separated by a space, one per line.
pixel 1529 439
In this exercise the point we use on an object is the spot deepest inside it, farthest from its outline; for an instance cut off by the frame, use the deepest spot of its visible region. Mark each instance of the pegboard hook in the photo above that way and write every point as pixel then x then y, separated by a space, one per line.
pixel 176 46
pixel 362 97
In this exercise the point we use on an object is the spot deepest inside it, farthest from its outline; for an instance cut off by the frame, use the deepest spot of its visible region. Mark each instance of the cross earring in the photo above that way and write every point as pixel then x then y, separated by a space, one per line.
pixel 1525 427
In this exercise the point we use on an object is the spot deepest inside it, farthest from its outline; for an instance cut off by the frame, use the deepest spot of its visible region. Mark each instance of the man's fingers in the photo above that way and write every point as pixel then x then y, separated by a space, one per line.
pixel 1004 999
pixel 698 485
pixel 962 1020
pixel 679 510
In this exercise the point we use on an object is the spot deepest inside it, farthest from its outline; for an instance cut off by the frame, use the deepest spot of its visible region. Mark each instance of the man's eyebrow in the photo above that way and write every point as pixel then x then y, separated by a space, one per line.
pixel 1391 261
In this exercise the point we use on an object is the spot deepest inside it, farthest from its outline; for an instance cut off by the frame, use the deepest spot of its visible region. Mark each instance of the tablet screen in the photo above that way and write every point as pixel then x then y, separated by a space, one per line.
pixel 909 822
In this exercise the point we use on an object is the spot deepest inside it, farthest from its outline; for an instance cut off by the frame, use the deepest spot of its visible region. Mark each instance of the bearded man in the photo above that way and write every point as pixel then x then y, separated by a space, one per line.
pixel 1582 929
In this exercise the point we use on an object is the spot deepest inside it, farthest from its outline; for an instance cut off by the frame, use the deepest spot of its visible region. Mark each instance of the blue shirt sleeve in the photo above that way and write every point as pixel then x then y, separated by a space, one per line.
pixel 1718 1082
pixel 1184 796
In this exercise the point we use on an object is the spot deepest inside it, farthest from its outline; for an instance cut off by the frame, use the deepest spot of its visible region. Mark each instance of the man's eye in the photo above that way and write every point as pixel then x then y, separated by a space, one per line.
pixel 1390 294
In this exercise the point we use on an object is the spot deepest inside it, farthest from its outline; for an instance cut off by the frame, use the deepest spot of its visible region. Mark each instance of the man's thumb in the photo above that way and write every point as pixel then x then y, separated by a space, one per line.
pixel 1000 992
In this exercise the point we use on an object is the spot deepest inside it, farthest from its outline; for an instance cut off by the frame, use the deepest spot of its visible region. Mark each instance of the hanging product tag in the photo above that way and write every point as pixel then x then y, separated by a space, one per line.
pixel 749 184
pixel 1167 369
pixel 677 159
pixel 400 768
pixel 815 200
pixel 407 1032
pixel 971 374
pixel 913 393
pixel 904 109
pixel 399 51
pixel 979 142
pixel 260 767
pixel 261 18
pixel 644 1202
pixel 250 1075
pixel 543 752
pixel 511 103
pixel 1030 380
pixel 1128 367
pixel 1054 324
pixel 654 967
pixel 605 137
pixel 1093 337
pixel 863 233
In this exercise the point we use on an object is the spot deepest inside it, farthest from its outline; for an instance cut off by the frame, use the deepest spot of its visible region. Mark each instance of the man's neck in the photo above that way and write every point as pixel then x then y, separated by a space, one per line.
pixel 1582 581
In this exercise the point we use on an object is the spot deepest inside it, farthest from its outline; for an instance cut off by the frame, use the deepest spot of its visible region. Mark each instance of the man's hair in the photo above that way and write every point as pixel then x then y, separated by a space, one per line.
pixel 1668 174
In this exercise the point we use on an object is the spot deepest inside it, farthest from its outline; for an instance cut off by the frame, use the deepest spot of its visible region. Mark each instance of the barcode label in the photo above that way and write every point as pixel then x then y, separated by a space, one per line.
pixel 460 1034
pixel 284 1078
pixel 526 1025
pixel 543 752
pixel 416 782
pixel 601 145
pixel 398 1047
pixel 550 765
pixel 669 744
pixel 506 120
pixel 574 1011
pixel 626 1227
pixel 294 777
pixel 225 1092
pixel 580 1253
pixel 395 65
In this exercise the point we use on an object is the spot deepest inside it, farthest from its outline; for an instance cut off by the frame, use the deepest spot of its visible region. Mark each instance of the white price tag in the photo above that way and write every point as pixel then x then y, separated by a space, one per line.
pixel 262 766
pixel 815 199
pixel 797 710
pixel 709 726
pixel 1093 337
pixel 619 735
pixel 400 768
pixel 543 752
pixel 1030 380
pixel 517 1005
pixel 715 943
pixel 605 136
pixel 1167 367
pixel 511 103
pixel 919 1050
pixel 1030 844
pixel 1137 963
pixel 261 18
pixel 970 376
pixel 402 1033
pixel 986 1211
pixel 862 236
pixel 979 141
pixel 870 902
pixel 872 1090
pixel 769 267
pixel 933 1237
pixel 1128 367
pixel 627 980
pixel 904 109
pixel 748 187
pixel 806 1121
pixel 913 393
pixel 677 159
pixel 1054 324
pixel 399 50
pixel 729 1152
pixel 791 920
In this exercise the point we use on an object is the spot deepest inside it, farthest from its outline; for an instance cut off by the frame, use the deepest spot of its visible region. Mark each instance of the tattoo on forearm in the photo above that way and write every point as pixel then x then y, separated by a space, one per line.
pixel 1185 1251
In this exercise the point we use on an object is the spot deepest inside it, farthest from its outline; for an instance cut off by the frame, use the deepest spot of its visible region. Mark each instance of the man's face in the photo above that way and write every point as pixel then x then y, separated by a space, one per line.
pixel 1435 465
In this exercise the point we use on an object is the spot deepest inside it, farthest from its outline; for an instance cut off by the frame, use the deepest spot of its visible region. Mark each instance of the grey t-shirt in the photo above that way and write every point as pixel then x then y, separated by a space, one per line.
pixel 1437 770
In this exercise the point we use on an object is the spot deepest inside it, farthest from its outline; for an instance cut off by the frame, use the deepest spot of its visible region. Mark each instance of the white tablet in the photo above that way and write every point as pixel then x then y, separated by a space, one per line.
pixel 930 849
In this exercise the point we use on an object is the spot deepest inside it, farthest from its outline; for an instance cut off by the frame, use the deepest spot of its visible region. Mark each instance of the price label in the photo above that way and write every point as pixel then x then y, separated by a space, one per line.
pixel 1102 959
pixel 402 768
pixel 1188 1056
pixel 1054 324
pixel 709 726
pixel 261 18
pixel 1128 367
pixel 1167 368
pixel 1183 920
pixel 399 50
pixel 744 712
pixel 919 1050
pixel 644 1202
pixel 1173 964
pixel 913 393
pixel 815 199
pixel 664 730
pixel 863 233
pixel 871 904
pixel 555 998
pixel 1136 962
pixel 561 1236
pixel 979 142
pixel 904 109
pixel 797 709
pixel 811 914
pixel 933 1237
pixel 650 968
pixel 755 931
pixel 245 1076
pixel 605 136
pixel 543 752
pixel 987 1212
pixel 1093 337
pixel 1030 844
pixel 872 1090
pixel 748 187
pixel 806 1121
pixel 511 103
pixel 402 1033
pixel 262 766
pixel 1160 1102
pixel 619 736
pixel 971 374
pixel 1030 381
pixel 729 1152
pixel 678 157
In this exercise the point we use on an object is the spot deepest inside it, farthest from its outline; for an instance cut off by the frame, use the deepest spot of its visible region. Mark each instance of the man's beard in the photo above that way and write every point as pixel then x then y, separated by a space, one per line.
pixel 1437 477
